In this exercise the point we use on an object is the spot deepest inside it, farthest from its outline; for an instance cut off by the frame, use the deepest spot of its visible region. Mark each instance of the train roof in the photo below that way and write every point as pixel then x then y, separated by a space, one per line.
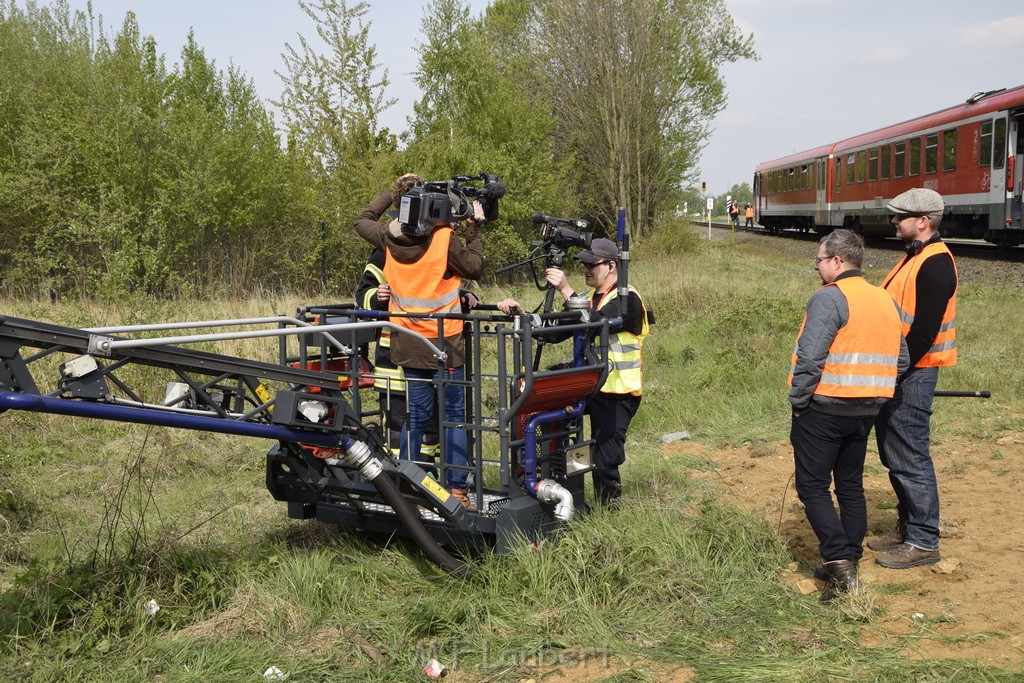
pixel 798 158
pixel 979 103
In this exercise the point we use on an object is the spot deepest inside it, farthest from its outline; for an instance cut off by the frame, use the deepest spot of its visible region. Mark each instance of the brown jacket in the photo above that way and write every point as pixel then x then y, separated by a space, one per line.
pixel 465 260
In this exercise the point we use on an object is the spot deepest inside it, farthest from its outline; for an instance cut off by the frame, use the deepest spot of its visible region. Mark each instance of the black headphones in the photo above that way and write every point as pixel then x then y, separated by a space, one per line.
pixel 914 248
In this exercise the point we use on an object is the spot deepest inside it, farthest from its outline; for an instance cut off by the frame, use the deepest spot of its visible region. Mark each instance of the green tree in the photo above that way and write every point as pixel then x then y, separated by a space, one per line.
pixel 634 85
pixel 117 175
pixel 331 103
pixel 478 112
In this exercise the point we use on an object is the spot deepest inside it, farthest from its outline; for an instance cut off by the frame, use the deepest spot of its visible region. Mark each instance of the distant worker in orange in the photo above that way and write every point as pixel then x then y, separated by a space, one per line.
pixel 734 214
pixel 750 217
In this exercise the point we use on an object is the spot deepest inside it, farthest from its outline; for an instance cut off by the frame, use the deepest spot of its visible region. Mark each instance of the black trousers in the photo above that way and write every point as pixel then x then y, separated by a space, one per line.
pixel 829 448
pixel 610 415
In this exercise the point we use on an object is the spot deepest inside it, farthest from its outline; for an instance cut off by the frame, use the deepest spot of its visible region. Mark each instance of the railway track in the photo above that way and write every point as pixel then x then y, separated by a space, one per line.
pixel 977 262
pixel 960 247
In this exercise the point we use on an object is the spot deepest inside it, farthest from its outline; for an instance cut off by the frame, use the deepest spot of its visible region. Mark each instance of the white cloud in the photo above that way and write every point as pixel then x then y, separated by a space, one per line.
pixel 995 35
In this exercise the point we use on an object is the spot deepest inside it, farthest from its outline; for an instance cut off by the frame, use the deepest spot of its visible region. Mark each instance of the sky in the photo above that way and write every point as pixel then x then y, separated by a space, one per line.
pixel 827 69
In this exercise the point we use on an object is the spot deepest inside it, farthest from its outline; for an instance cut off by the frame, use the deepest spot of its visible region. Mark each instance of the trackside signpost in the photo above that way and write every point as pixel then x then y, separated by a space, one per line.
pixel 711 205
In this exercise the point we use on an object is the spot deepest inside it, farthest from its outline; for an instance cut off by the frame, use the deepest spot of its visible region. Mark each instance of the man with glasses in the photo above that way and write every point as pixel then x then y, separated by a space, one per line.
pixel 612 408
pixel 924 285
pixel 848 354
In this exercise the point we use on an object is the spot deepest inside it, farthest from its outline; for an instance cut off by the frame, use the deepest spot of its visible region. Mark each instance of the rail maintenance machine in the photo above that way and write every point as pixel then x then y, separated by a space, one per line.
pixel 332 460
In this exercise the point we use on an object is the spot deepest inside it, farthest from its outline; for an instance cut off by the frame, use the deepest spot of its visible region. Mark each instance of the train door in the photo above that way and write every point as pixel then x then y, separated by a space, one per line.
pixel 1015 172
pixel 820 195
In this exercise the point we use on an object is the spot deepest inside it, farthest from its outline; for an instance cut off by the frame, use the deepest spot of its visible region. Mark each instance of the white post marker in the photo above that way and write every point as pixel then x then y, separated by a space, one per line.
pixel 711 205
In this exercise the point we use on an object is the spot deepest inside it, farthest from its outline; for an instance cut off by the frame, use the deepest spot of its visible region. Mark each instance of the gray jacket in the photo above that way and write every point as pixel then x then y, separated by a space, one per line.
pixel 827 313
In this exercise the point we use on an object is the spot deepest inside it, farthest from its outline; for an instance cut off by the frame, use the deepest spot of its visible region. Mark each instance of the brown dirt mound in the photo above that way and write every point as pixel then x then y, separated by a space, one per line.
pixel 966 607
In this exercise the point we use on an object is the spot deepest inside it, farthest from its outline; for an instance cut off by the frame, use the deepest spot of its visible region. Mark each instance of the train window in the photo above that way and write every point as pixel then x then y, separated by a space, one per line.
pixel 849 170
pixel 821 175
pixel 861 158
pixel 985 150
pixel 886 159
pixel 949 150
pixel 915 157
pixel 931 153
pixel 805 178
pixel 873 164
pixel 899 159
pixel 837 170
pixel 999 144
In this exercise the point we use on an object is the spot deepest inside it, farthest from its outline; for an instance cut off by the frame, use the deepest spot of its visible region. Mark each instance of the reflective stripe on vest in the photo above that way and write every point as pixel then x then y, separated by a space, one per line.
pixel 371 294
pixel 901 284
pixel 420 287
pixel 388 379
pixel 625 351
pixel 863 358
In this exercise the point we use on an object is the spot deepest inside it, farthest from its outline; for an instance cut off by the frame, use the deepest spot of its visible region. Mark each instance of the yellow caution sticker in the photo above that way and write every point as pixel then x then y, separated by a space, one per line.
pixel 431 485
pixel 262 393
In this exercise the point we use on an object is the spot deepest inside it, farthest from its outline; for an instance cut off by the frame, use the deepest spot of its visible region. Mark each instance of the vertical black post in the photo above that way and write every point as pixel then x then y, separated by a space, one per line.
pixel 323 255
pixel 623 263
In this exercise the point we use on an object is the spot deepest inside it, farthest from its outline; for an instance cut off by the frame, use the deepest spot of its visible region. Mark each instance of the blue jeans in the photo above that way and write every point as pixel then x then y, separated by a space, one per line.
pixel 903 432
pixel 421 396
pixel 829 448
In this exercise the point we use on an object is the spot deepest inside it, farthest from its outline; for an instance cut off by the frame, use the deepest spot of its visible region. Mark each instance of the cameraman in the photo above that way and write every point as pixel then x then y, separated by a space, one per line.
pixel 424 272
pixel 612 408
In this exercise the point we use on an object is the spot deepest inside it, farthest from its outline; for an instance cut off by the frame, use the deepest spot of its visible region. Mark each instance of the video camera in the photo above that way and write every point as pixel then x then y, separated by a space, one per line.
pixel 436 202
pixel 557 232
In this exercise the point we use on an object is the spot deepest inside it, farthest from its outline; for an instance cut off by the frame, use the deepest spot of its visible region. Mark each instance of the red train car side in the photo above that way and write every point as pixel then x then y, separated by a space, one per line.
pixel 971 153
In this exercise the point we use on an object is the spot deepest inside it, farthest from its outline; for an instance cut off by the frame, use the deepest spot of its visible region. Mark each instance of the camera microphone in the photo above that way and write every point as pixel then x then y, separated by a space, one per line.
pixel 539 219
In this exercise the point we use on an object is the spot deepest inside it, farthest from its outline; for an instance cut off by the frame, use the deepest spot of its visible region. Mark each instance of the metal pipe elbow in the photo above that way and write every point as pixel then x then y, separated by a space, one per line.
pixel 551 492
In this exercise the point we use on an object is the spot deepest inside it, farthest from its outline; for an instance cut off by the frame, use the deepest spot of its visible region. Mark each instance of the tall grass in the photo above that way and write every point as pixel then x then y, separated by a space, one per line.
pixel 97 519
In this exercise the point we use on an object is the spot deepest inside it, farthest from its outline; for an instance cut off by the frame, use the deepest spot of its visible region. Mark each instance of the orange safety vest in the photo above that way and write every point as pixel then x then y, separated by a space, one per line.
pixel 421 287
pixel 863 358
pixel 901 283
pixel 750 212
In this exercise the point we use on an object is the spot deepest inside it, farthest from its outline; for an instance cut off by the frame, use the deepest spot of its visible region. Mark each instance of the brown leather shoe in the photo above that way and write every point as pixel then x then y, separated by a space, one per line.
pixel 893 539
pixel 907 556
pixel 462 496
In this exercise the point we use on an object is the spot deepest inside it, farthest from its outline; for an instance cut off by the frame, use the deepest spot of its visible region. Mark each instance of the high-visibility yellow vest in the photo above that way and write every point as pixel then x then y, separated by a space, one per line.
pixel 371 294
pixel 901 283
pixel 387 377
pixel 863 358
pixel 625 352
pixel 421 287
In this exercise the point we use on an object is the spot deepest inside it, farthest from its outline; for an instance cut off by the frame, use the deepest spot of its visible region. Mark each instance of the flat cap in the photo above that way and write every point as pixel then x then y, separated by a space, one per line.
pixel 920 201
pixel 600 250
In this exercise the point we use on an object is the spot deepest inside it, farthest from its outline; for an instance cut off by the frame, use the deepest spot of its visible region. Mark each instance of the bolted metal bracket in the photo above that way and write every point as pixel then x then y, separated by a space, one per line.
pixel 99 345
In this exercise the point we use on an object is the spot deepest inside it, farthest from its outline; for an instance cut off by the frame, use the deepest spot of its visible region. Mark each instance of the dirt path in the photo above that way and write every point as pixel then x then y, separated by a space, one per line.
pixel 974 610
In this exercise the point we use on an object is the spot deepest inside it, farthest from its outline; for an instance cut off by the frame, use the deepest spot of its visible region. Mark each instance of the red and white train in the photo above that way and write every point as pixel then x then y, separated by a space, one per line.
pixel 971 153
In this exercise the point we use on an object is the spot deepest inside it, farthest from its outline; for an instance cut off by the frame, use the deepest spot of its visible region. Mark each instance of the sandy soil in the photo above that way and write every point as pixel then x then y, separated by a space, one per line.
pixel 967 606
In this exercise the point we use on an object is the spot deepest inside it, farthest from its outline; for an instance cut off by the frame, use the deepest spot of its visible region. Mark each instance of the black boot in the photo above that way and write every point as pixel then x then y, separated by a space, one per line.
pixel 842 578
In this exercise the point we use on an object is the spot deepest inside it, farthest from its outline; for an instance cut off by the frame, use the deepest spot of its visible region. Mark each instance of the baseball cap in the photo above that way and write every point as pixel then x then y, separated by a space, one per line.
pixel 600 250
